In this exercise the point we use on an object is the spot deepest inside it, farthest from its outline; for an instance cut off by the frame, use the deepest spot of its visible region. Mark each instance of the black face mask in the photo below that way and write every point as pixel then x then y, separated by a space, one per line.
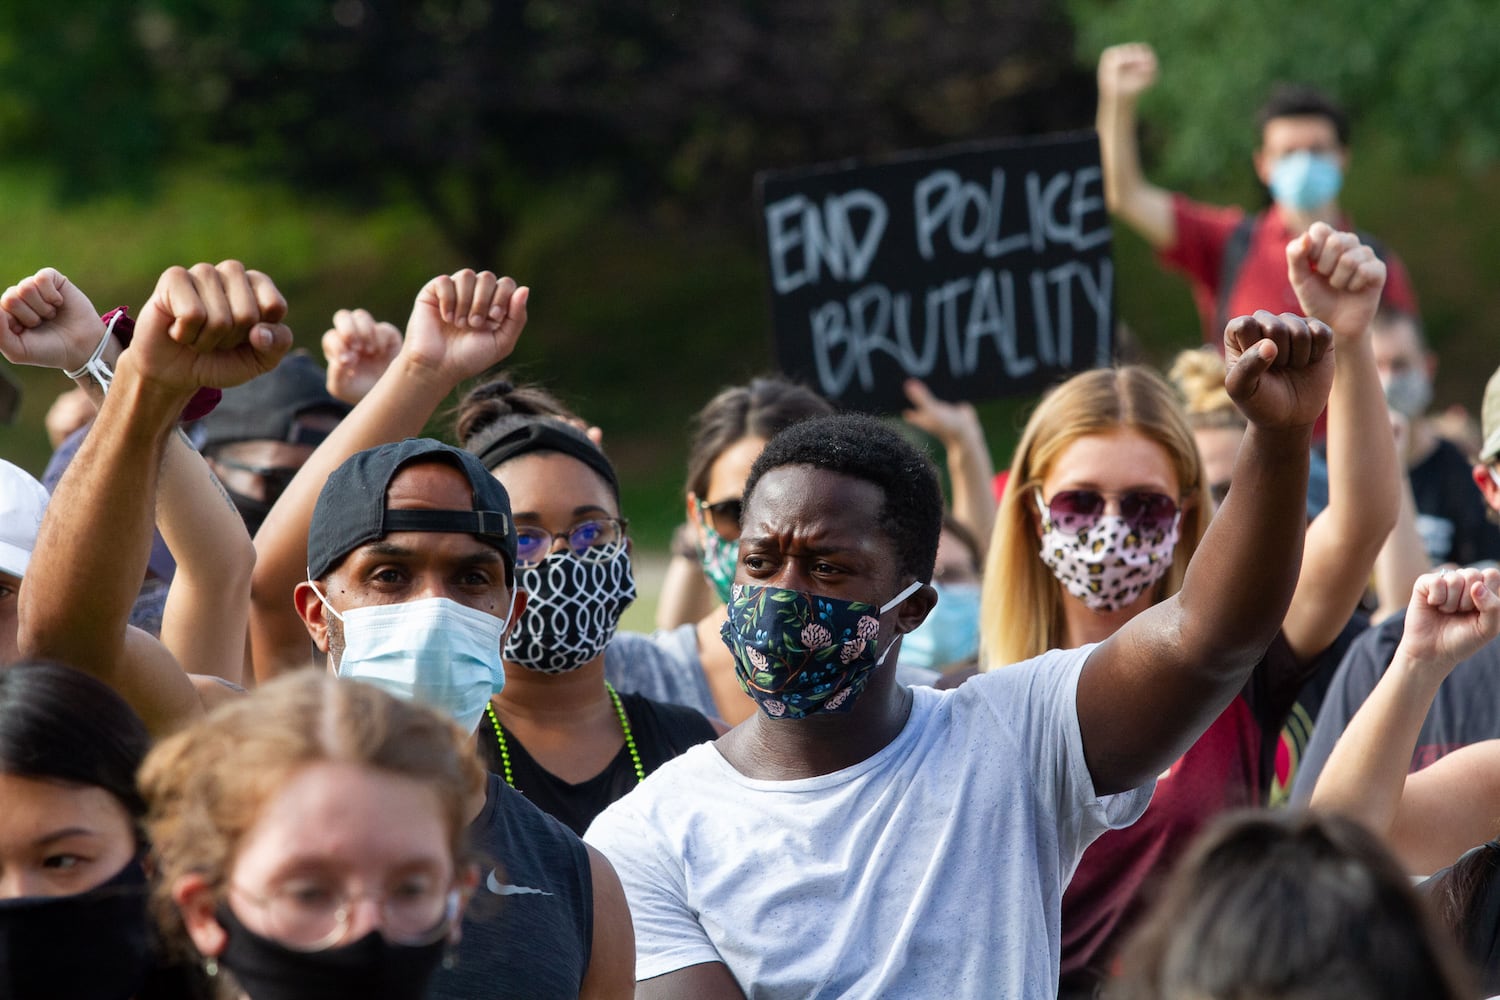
pixel 370 968
pixel 95 945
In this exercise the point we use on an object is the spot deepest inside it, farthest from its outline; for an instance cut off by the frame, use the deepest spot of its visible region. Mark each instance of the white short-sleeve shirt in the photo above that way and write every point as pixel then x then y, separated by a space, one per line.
pixel 933 869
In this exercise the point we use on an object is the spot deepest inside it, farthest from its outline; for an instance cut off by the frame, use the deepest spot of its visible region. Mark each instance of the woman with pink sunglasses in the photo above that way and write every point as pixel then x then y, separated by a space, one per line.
pixel 1106 505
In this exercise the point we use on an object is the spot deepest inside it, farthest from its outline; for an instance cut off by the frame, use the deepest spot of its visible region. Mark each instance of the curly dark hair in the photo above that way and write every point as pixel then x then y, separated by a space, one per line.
pixel 862 447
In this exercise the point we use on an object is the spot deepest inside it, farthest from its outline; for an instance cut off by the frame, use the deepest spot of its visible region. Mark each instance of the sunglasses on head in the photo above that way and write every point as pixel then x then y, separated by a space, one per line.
pixel 1076 511
pixel 724 516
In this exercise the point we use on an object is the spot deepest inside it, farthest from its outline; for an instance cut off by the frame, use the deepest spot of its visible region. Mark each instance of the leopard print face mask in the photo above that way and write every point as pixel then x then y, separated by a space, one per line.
pixel 1110 564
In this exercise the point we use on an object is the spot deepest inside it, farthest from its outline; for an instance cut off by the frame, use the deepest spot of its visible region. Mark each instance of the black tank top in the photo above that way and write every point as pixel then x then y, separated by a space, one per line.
pixel 661 732
pixel 528 932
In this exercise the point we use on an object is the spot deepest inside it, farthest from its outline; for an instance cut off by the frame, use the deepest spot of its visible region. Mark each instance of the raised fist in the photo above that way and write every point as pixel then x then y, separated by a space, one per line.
pixel 1126 70
pixel 1280 368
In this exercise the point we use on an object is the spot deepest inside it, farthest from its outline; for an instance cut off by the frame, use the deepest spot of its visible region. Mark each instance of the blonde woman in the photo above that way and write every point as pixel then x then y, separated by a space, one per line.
pixel 1107 503
pixel 311 838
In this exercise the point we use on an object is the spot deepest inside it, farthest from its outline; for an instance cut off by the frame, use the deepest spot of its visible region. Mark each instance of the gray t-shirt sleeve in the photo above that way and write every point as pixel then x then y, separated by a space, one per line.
pixel 663 666
pixel 1356 677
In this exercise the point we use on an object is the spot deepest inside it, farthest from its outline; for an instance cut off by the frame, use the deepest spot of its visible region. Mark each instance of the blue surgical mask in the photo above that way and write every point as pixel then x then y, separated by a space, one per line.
pixel 950 632
pixel 434 651
pixel 1304 180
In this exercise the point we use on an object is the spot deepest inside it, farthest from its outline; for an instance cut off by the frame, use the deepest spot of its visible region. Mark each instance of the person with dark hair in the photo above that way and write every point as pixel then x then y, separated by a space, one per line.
pixel 1235 261
pixel 1288 906
pixel 74 920
pixel 831 844
pixel 396 560
pixel 261 432
pixel 558 732
pixel 689 665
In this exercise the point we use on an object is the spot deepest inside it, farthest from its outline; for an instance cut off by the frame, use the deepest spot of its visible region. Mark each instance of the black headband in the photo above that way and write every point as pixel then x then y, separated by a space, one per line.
pixel 548 434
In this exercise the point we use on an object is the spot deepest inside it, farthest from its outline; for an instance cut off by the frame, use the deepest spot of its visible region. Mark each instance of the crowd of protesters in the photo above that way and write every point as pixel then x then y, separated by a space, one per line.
pixel 297 702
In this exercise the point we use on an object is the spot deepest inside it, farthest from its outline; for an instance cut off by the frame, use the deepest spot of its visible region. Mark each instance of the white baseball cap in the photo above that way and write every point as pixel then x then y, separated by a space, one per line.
pixel 22 502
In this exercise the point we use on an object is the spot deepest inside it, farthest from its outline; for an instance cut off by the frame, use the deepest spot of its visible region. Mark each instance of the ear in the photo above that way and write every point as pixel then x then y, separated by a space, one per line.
pixel 914 610
pixel 1487 485
pixel 695 517
pixel 196 905
pixel 313 612
pixel 517 609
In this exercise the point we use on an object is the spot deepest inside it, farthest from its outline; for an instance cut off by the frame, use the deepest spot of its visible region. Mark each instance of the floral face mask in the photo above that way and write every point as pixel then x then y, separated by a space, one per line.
pixel 798 653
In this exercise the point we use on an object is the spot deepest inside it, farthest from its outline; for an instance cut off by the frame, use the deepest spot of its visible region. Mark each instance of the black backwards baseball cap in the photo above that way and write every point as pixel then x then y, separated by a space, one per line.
pixel 267 407
pixel 352 511
pixel 544 434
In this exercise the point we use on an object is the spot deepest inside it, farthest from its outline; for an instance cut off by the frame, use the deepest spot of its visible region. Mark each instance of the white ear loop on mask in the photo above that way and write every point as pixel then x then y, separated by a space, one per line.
pixel 912 588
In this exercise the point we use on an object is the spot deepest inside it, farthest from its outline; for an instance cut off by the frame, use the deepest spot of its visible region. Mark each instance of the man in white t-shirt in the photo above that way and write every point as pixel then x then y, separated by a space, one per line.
pixel 858 838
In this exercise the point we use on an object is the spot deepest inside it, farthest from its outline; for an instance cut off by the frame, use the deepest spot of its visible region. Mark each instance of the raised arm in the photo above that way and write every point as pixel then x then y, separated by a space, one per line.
pixel 210 326
pixel 1451 615
pixel 971 470
pixel 358 349
pixel 1403 557
pixel 50 319
pixel 460 325
pixel 1338 280
pixel 1149 691
pixel 1125 72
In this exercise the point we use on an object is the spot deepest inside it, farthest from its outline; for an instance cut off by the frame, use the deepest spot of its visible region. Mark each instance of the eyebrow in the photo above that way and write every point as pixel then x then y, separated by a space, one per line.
pixel 64 834
pixel 577 512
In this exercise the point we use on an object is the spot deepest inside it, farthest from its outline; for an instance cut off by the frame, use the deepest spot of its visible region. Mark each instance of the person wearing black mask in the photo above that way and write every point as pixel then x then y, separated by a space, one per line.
pixel 262 432
pixel 73 894
pixel 311 839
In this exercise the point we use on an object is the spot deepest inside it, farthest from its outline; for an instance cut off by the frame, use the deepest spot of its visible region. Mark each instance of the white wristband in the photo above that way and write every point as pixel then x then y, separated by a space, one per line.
pixel 95 365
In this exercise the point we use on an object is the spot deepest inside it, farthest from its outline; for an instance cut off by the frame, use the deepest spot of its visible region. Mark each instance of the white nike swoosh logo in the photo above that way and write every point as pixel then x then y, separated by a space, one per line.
pixel 499 888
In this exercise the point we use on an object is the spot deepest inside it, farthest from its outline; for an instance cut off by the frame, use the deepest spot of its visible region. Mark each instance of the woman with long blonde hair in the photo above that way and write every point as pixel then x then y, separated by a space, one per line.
pixel 1107 502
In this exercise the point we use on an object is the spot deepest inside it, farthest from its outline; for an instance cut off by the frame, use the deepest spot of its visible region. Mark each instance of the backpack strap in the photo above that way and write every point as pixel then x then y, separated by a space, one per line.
pixel 1236 249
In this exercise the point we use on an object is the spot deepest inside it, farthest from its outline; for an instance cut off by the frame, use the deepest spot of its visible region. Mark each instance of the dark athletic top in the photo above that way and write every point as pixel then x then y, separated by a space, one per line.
pixel 529 930
pixel 661 732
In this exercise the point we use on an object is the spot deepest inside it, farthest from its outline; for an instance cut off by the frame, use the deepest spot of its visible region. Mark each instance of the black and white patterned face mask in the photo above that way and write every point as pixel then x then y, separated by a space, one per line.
pixel 572 609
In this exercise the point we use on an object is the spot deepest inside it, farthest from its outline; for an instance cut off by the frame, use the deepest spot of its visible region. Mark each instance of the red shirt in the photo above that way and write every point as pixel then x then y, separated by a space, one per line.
pixel 1203 231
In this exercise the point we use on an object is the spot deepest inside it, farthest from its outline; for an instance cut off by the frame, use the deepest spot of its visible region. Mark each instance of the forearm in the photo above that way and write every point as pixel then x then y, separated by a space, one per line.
pixel 215 560
pixel 1127 193
pixel 1240 583
pixel 398 407
pixel 1402 558
pixel 972 472
pixel 1366 771
pixel 96 536
pixel 1363 504
pixel 1158 683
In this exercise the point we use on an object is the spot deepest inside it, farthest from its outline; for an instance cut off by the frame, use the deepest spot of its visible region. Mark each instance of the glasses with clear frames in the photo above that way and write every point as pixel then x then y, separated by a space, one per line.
pixel 595 540
pixel 311 916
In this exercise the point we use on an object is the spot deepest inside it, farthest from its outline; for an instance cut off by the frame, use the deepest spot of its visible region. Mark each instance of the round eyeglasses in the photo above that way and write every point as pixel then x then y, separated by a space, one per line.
pixel 594 540
pixel 311 915
pixel 1076 511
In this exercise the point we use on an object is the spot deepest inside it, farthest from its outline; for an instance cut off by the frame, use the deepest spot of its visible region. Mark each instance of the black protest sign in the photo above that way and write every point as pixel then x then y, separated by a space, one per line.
pixel 982 269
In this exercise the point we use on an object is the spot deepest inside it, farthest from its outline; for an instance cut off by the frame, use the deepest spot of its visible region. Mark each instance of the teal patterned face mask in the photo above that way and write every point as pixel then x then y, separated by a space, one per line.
pixel 720 557
pixel 797 653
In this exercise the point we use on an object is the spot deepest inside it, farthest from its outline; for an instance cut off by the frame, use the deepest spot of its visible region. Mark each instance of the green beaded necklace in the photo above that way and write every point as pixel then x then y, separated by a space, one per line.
pixel 635 755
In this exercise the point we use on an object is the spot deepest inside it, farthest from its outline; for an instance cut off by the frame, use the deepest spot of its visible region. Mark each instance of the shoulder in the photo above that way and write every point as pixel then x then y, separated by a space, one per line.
pixel 512 830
